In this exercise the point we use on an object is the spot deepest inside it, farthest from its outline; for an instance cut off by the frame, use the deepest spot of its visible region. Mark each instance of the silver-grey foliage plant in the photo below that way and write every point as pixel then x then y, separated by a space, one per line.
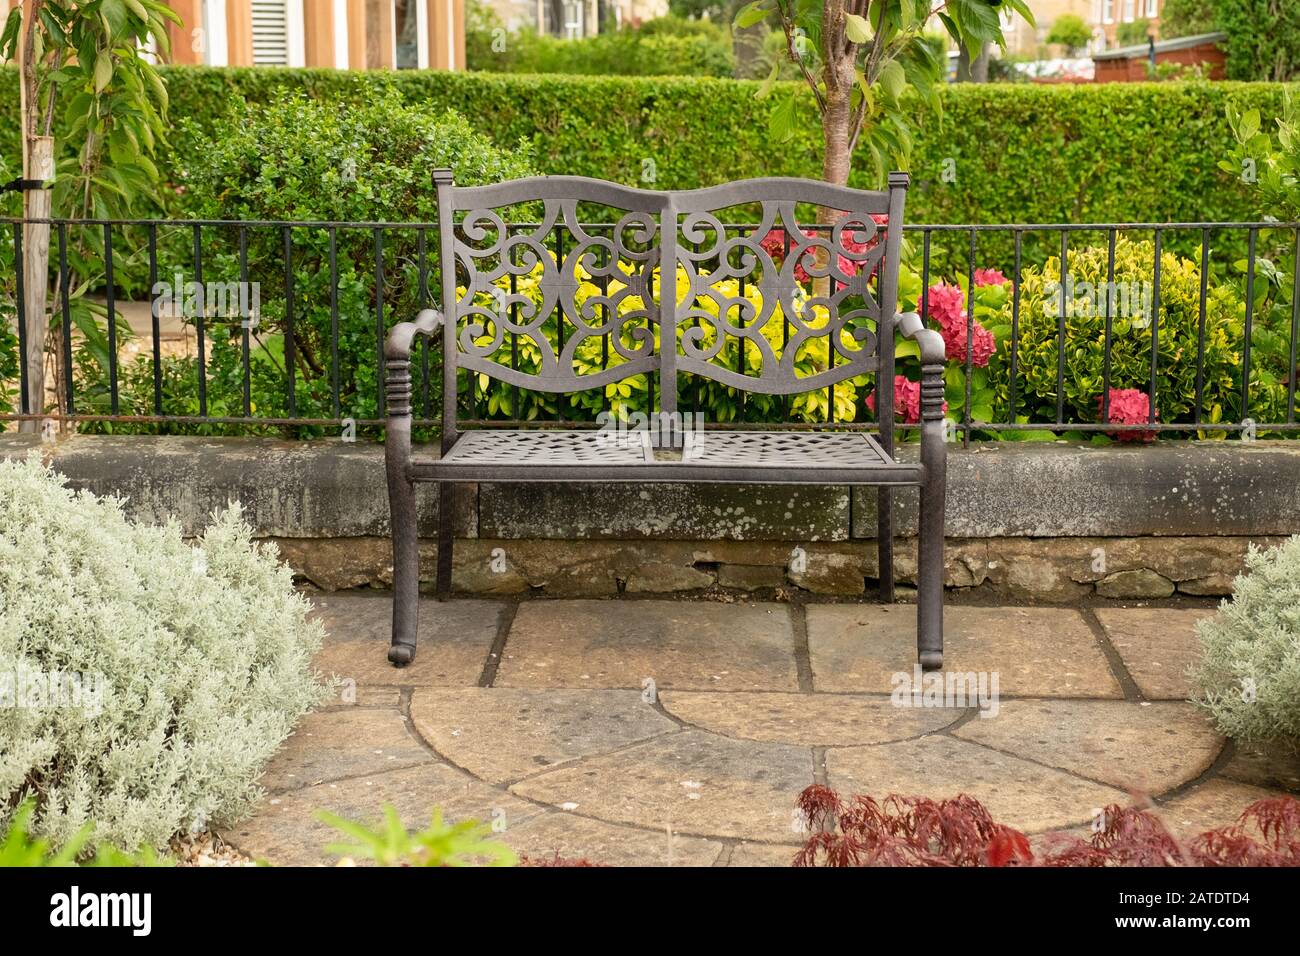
pixel 1250 670
pixel 144 680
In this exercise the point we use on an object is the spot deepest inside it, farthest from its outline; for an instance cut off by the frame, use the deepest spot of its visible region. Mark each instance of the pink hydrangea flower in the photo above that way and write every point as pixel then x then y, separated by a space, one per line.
pixel 907 400
pixel 1129 406
pixel 983 345
pixel 989 277
pixel 947 306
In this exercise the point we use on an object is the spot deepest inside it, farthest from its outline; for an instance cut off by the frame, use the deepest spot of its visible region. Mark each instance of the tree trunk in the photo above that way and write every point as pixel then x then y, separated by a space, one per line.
pixel 38 163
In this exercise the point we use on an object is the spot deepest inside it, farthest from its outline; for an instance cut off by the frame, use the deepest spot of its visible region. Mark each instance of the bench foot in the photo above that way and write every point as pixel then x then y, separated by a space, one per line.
pixel 931 660
pixel 401 654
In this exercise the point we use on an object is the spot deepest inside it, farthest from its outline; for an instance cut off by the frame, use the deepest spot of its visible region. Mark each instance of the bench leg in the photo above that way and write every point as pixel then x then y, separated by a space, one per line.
pixel 406 570
pixel 929 578
pixel 446 538
pixel 885 543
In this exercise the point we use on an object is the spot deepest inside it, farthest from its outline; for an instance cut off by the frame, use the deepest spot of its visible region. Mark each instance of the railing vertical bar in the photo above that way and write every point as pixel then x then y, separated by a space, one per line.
pixel 377 238
pixel 200 325
pixel 66 309
pixel 967 416
pixel 1111 236
pixel 559 319
pixel 1060 330
pixel 1155 331
pixel 1295 331
pixel 335 400
pixel 514 336
pixel 246 335
pixel 1200 326
pixel 1015 323
pixel 110 305
pixel 426 409
pixel 1250 320
pixel 785 325
pixel 740 322
pixel 290 346
pixel 606 257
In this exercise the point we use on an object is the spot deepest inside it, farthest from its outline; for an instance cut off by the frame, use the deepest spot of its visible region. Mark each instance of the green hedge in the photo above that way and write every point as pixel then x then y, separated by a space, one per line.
pixel 1022 153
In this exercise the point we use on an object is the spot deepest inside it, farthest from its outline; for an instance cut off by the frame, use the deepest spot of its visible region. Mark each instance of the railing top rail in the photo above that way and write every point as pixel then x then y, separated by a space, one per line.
pixel 907 227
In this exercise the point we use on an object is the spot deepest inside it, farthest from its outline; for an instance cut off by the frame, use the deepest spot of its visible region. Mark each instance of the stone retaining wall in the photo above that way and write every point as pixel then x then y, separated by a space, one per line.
pixel 1032 521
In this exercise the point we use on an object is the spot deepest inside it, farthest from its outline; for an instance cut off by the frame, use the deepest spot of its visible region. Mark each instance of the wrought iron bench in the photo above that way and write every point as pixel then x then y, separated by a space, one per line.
pixel 830 290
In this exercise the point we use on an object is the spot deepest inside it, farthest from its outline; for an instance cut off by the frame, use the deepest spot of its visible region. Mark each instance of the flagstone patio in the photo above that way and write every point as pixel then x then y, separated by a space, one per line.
pixel 648 732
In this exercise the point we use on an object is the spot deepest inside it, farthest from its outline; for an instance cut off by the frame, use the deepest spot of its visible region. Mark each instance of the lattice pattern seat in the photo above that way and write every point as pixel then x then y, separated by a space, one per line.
pixel 547 448
pixel 785 449
pixel 740 456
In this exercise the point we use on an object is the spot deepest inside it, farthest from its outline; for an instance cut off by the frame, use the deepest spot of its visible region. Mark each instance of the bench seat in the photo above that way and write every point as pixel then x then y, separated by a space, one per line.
pixel 762 457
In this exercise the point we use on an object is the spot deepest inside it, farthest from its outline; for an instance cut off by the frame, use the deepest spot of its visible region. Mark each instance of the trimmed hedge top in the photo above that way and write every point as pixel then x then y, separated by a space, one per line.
pixel 1020 153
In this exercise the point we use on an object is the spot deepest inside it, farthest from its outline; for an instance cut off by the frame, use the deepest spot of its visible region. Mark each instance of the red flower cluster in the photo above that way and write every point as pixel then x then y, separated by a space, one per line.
pixel 907 400
pixel 989 277
pixel 947 306
pixel 1129 406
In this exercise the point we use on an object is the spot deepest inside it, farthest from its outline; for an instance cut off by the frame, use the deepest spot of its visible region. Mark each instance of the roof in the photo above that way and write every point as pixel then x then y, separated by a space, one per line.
pixel 1162 46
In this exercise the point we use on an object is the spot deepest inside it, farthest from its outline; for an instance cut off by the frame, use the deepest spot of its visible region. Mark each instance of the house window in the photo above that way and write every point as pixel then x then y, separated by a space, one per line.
pixel 1107 11
pixel 1129 11
pixel 406 28
pixel 1153 8
pixel 573 17
pixel 278 34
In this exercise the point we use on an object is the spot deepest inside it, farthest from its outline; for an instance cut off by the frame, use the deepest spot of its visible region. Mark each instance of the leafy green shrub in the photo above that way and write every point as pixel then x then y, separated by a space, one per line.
pixel 1022 152
pixel 145 681
pixel 1085 289
pixel 664 47
pixel 1271 169
pixel 317 160
pixel 1250 669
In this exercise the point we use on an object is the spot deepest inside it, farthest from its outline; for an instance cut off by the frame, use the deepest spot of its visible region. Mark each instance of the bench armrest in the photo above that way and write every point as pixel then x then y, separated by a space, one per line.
pixel 398 344
pixel 397 361
pixel 930 341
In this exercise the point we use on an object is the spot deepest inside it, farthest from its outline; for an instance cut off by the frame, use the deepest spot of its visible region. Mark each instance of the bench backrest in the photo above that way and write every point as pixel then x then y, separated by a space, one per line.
pixel 563 284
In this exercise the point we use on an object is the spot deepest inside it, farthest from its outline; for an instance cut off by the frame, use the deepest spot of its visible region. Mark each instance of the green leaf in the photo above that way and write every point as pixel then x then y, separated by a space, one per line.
pixel 856 28
pixel 893 79
pixel 781 123
pixel 751 14
pixel 103 70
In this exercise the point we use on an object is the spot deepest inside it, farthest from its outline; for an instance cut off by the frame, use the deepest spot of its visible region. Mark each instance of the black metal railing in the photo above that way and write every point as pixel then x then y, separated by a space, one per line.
pixel 1213 339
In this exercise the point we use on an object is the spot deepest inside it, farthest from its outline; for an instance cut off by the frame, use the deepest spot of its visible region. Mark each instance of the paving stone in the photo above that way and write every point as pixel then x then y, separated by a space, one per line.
pixel 503 734
pixel 695 782
pixel 454 639
pixel 704 646
pixel 1158 646
pixel 1145 748
pixel 762 854
pixel 1016 792
pixel 1036 652
pixel 807 719
pixel 335 744
pixel 285 831
pixel 577 837
pixel 1273 765
pixel 349 693
pixel 1216 803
